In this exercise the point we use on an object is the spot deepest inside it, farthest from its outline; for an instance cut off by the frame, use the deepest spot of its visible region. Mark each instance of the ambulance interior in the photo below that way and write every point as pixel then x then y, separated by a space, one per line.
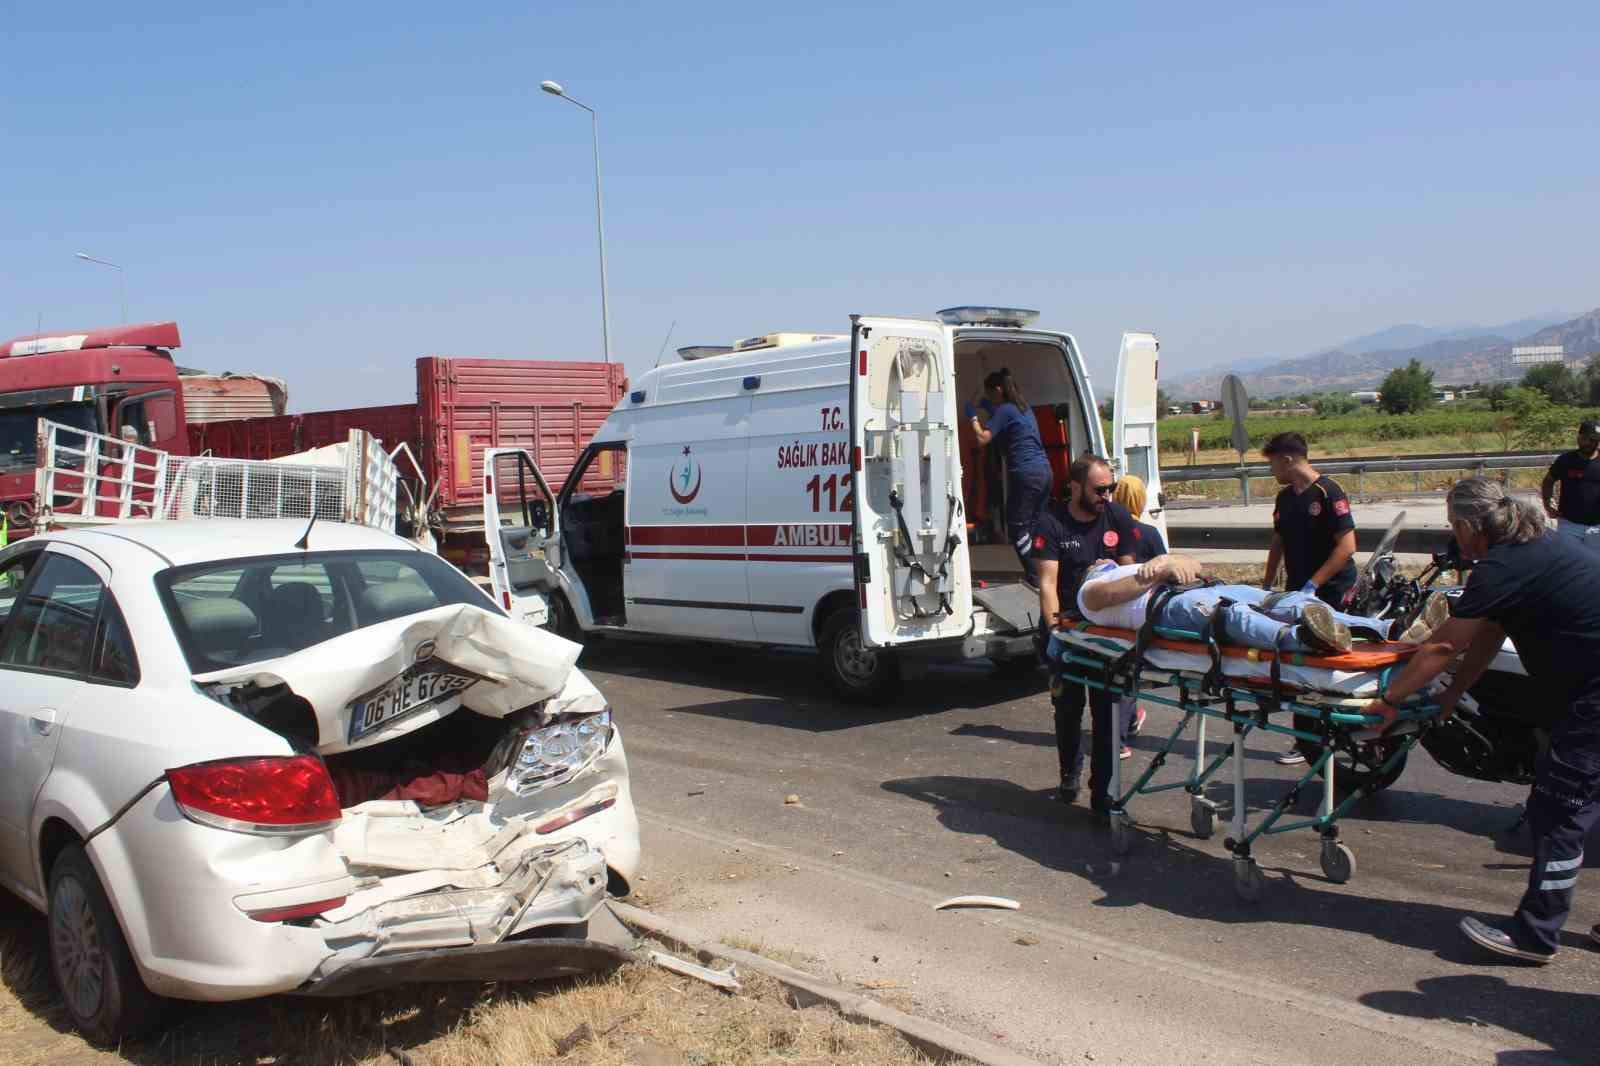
pixel 1040 370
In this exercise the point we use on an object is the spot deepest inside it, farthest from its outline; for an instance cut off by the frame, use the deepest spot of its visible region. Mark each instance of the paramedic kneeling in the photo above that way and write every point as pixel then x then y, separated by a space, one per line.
pixel 1066 542
pixel 1543 590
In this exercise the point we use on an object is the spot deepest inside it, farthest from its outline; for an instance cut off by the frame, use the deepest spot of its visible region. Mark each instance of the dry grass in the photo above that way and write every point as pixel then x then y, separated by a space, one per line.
pixel 666 1021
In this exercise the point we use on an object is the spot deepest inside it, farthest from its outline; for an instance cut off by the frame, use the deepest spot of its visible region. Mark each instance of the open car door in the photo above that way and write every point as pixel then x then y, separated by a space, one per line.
pixel 519 517
pixel 1134 442
pixel 912 568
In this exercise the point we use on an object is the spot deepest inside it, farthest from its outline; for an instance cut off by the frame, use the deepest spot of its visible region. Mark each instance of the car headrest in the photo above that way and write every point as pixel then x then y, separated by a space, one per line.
pixel 218 623
pixel 395 600
pixel 296 603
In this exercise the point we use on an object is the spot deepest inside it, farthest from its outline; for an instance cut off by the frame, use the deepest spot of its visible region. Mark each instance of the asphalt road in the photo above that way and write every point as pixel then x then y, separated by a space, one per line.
pixel 1147 959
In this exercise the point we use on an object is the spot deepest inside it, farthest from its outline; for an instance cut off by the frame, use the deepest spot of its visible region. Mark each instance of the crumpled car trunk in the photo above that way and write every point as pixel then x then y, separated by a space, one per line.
pixel 434 865
pixel 375 684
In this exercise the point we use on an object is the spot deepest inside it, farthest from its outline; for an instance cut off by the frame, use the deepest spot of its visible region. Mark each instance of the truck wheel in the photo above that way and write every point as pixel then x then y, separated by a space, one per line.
pixel 857 673
pixel 93 968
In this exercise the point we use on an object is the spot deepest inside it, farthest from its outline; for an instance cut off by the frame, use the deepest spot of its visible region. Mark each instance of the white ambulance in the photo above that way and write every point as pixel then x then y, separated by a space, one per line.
pixel 817 491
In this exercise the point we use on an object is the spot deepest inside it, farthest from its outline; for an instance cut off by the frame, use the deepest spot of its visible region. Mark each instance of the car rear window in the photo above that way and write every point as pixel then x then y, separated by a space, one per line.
pixel 240 611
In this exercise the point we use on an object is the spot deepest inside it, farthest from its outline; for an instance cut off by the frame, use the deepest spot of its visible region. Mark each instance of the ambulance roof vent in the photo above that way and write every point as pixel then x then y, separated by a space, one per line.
pixel 1012 317
pixel 702 351
pixel 783 340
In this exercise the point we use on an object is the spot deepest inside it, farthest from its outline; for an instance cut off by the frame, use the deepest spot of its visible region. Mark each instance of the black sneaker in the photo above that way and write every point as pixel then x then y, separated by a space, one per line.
pixel 1499 940
pixel 1066 796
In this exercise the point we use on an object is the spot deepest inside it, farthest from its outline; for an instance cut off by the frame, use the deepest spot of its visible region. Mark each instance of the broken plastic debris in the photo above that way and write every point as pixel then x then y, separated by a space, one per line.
pixel 723 979
pixel 997 902
pixel 792 800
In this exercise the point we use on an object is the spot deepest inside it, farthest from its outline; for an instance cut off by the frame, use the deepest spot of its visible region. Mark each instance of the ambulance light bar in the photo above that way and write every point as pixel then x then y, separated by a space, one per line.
pixel 701 351
pixel 1013 317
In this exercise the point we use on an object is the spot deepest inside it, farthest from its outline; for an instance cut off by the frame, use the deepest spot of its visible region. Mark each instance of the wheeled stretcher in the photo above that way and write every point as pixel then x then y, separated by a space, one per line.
pixel 1314 699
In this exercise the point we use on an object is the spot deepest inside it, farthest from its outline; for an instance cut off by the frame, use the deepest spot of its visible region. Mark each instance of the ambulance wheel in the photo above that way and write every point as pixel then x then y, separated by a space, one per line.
pixel 1338 862
pixel 563 622
pixel 857 673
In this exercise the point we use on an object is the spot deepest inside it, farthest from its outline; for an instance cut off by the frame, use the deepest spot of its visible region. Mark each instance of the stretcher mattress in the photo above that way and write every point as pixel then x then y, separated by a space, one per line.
pixel 1354 674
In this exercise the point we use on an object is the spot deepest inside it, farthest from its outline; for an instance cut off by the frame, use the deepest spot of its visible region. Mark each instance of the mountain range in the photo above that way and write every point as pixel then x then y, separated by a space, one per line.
pixel 1455 354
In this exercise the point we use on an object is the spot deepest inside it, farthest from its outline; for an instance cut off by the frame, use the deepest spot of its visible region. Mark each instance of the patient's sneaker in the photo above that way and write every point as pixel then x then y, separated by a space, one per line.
pixel 1435 608
pixel 1320 629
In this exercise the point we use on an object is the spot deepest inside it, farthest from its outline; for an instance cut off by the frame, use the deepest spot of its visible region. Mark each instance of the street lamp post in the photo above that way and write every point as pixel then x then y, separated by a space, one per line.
pixel 555 89
pixel 122 278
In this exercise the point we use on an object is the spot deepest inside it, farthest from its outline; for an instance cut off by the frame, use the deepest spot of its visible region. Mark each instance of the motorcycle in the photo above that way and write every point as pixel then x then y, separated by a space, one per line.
pixel 1499 727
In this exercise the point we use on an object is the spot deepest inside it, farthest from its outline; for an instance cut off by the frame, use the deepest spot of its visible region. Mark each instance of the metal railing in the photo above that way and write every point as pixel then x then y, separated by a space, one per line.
pixel 1404 464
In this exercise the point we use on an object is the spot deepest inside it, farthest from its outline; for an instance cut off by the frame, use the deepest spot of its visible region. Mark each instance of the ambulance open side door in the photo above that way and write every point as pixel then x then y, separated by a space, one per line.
pixel 520 522
pixel 912 568
pixel 1134 440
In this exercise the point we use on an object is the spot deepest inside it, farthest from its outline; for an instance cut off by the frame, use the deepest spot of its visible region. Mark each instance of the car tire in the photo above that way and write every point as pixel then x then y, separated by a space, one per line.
pixel 563 621
pixel 89 958
pixel 856 673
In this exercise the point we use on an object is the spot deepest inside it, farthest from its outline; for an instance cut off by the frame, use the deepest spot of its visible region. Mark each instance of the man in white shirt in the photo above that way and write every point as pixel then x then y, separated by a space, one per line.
pixel 1119 597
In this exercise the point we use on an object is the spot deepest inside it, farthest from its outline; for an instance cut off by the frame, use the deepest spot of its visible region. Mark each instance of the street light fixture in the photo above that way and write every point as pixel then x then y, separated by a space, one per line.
pixel 122 278
pixel 554 89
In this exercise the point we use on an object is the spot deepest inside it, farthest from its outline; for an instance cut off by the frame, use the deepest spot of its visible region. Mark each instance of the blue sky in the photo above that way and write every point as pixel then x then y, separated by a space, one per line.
pixel 327 191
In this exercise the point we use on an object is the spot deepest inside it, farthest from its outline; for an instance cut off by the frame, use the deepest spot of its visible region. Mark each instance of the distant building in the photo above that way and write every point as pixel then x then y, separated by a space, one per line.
pixel 1534 354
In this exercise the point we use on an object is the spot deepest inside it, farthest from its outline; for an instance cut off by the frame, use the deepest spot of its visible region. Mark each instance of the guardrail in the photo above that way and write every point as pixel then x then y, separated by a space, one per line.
pixel 1405 464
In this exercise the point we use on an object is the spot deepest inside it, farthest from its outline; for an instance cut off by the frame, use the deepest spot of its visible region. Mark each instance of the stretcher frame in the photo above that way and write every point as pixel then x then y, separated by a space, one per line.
pixel 1244 707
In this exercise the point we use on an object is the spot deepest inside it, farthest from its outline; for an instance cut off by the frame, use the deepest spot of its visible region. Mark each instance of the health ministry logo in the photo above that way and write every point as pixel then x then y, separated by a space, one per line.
pixel 684 472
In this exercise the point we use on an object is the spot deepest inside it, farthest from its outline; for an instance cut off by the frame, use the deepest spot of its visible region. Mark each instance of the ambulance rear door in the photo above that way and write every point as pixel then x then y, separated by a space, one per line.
pixel 1134 441
pixel 912 567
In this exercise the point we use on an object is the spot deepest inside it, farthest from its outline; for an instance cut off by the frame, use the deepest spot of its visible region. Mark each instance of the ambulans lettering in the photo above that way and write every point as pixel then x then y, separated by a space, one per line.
pixel 800 454
pixel 811 536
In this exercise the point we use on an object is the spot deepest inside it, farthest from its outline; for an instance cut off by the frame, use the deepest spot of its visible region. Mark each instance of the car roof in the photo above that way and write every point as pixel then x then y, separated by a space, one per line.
pixel 181 543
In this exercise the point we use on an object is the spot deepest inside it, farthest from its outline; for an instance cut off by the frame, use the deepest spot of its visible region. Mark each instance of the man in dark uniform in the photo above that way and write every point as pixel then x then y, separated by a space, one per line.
pixel 1066 540
pixel 1578 474
pixel 1313 534
pixel 1543 591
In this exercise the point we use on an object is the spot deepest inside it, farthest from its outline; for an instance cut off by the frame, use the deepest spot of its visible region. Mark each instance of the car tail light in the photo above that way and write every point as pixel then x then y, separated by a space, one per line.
pixel 299 910
pixel 270 795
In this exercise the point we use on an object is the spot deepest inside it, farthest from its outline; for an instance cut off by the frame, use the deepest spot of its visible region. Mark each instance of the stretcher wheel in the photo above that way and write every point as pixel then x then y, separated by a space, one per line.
pixel 1202 817
pixel 1246 879
pixel 1121 836
pixel 1338 862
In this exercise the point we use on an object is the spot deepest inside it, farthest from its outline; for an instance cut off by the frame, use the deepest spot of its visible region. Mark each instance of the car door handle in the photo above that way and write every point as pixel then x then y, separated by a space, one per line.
pixel 43 721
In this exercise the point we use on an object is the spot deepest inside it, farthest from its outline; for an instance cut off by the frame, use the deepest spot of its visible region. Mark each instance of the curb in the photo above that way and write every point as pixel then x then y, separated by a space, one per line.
pixel 939 1042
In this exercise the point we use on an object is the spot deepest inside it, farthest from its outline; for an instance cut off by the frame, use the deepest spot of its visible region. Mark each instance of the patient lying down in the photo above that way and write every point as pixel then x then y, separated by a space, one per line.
pixel 1119 597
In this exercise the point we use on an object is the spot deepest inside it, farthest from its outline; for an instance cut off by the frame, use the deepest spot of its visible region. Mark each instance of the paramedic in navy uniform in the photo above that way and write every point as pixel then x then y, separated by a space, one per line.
pixel 1578 474
pixel 1066 540
pixel 1542 589
pixel 1313 533
pixel 1011 422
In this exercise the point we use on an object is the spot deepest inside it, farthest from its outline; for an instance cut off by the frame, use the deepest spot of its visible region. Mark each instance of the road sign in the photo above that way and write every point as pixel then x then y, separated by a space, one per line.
pixel 1236 402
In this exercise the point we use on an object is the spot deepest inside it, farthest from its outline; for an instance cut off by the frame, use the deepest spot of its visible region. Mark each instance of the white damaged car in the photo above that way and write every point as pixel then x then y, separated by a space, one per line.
pixel 235 763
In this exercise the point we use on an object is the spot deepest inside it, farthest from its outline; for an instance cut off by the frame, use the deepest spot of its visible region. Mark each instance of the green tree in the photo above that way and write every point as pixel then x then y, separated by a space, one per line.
pixel 1407 390
pixel 1496 395
pixel 1163 401
pixel 1591 378
pixel 1532 421
pixel 1558 383
pixel 1334 403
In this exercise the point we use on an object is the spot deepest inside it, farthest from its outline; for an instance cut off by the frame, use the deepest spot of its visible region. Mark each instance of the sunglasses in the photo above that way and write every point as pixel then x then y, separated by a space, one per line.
pixel 1104 490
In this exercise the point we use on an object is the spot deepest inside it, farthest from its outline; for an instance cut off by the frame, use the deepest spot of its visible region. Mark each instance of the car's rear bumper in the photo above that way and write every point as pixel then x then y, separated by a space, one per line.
pixel 538 959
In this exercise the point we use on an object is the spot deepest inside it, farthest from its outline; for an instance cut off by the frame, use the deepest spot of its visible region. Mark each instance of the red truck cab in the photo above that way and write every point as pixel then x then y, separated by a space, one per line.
pixel 101 380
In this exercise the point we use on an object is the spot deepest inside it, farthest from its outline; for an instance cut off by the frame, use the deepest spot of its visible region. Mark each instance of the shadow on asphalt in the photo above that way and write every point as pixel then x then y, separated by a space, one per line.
pixel 1146 741
pixel 786 689
pixel 1193 880
pixel 1486 999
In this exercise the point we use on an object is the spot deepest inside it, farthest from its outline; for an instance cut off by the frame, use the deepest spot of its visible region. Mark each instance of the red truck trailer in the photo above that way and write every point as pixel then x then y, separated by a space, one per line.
pixel 464 405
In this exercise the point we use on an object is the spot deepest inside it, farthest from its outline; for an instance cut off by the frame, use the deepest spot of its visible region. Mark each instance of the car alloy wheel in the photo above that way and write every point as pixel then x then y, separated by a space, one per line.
pixel 81 960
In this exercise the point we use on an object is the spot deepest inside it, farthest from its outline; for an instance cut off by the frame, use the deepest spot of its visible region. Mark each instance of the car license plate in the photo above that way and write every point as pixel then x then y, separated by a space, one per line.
pixel 419 688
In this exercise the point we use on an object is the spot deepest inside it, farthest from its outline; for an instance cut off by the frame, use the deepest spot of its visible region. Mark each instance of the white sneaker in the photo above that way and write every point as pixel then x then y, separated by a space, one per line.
pixel 1292 757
